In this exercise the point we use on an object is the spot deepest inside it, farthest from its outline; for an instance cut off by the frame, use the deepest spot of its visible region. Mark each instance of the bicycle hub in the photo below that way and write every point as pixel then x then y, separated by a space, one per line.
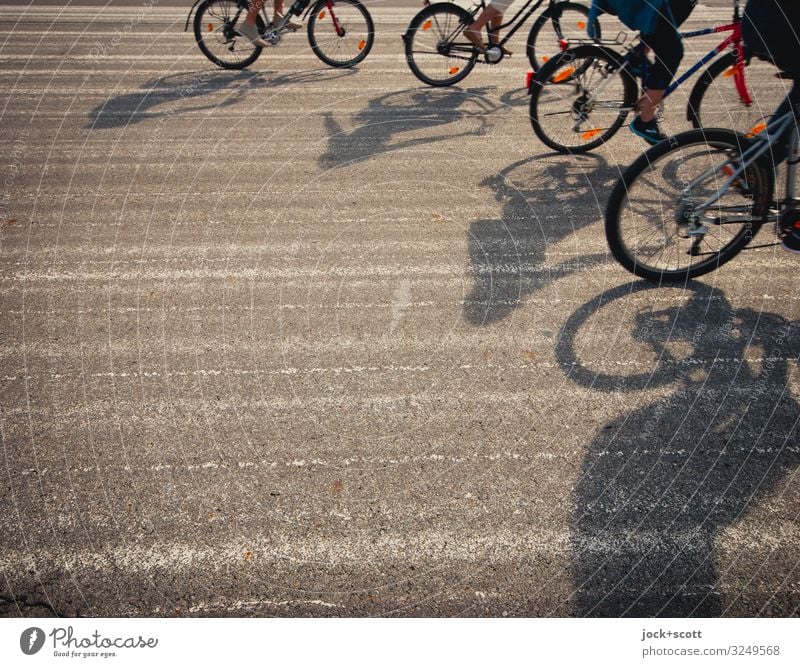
pixel 493 55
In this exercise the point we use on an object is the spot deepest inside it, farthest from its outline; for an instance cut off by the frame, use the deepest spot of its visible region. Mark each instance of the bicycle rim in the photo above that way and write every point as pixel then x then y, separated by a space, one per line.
pixel 219 40
pixel 653 224
pixel 580 99
pixel 437 51
pixel 719 104
pixel 341 35
pixel 566 21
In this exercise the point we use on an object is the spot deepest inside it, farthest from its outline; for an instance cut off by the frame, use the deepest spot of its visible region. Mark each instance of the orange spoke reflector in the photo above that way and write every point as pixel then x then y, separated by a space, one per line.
pixel 563 75
pixel 582 25
pixel 727 170
pixel 545 58
pixel 590 134
pixel 731 71
pixel 210 27
pixel 757 129
pixel 454 70
pixel 362 44
pixel 427 25
pixel 321 15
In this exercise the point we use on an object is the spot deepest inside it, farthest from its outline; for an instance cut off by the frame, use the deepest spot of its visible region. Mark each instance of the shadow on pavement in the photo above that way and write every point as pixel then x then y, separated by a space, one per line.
pixel 541 206
pixel 184 93
pixel 659 485
pixel 382 125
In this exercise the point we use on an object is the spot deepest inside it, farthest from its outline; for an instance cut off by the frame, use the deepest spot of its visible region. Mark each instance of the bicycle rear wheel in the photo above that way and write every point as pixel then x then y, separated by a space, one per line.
pixel 580 98
pixel 563 21
pixel 655 225
pixel 216 34
pixel 716 102
pixel 341 32
pixel 436 49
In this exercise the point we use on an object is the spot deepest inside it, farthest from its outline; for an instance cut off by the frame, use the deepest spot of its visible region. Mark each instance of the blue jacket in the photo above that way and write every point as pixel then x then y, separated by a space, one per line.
pixel 641 15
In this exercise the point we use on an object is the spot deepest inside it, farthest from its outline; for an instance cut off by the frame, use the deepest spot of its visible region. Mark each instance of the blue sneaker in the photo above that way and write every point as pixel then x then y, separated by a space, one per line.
pixel 647 130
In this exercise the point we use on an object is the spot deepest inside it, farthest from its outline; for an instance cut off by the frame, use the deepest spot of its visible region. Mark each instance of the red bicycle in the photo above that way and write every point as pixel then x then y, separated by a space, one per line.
pixel 581 97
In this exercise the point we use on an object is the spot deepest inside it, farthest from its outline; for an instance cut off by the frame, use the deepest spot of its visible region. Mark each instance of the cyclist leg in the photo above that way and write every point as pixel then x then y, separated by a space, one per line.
pixel 667 47
pixel 473 32
pixel 277 15
pixel 493 15
pixel 248 26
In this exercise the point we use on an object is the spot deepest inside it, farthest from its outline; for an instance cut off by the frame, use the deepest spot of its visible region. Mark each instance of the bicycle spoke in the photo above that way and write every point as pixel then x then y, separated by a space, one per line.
pixel 580 98
pixel 431 52
pixel 656 224
pixel 341 33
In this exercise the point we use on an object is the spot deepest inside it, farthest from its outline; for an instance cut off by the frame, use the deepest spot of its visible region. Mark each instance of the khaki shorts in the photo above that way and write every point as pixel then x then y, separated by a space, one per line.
pixel 501 5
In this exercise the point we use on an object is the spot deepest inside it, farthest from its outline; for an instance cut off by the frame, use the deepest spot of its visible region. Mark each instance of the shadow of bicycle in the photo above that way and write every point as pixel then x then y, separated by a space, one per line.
pixel 406 119
pixel 192 92
pixel 541 206
pixel 660 486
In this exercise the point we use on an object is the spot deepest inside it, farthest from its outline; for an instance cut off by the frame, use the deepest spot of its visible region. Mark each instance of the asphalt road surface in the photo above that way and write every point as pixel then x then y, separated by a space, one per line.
pixel 302 341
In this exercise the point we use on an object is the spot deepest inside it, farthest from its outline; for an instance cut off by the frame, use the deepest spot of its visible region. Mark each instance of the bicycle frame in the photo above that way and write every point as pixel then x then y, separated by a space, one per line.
pixel 243 4
pixel 518 24
pixel 776 130
pixel 528 9
pixel 735 40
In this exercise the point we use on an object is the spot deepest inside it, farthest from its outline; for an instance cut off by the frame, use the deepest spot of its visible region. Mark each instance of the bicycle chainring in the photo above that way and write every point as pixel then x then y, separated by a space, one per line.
pixel 272 36
pixel 493 55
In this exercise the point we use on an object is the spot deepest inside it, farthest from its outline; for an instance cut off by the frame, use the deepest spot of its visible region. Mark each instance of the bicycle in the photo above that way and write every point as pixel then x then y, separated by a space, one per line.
pixel 582 96
pixel 341 32
pixel 439 55
pixel 694 201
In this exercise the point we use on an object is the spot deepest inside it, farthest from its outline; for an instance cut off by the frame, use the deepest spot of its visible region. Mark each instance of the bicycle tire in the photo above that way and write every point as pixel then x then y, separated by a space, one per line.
pixel 215 34
pixel 539 54
pixel 646 216
pixel 715 101
pixel 438 23
pixel 562 89
pixel 354 37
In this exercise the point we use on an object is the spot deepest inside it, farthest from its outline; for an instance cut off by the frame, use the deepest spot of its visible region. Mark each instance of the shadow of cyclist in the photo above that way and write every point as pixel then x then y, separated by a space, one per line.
pixel 541 206
pixel 185 92
pixel 659 485
pixel 405 119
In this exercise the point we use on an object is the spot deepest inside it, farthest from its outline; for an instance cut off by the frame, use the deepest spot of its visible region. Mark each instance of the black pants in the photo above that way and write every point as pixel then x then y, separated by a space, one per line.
pixel 666 44
pixel 771 30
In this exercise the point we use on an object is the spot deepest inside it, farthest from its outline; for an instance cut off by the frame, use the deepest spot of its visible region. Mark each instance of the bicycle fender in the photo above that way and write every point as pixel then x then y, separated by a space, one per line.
pixel 314 5
pixel 189 17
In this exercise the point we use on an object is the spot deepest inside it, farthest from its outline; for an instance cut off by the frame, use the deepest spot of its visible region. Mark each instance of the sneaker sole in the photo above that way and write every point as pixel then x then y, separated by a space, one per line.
pixel 647 138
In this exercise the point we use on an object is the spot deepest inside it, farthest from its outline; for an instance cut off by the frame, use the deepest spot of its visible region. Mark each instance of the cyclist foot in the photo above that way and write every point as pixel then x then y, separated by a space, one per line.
pixel 250 31
pixel 647 130
pixel 506 52
pixel 290 25
pixel 475 38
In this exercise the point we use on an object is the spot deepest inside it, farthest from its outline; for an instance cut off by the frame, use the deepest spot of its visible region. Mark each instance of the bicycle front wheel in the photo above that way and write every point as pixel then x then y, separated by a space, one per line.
pixel 341 32
pixel 659 224
pixel 580 98
pixel 562 21
pixel 436 49
pixel 215 30
pixel 716 102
